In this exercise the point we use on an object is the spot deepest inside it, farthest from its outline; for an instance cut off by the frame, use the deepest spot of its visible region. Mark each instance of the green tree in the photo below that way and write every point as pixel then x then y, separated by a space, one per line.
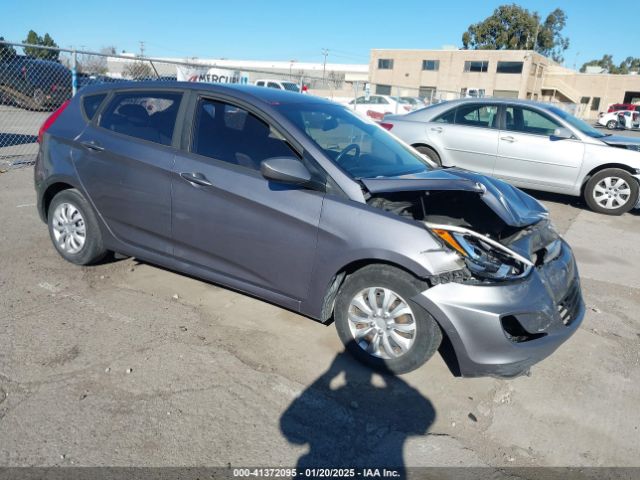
pixel 512 27
pixel 34 39
pixel 628 65
pixel 6 51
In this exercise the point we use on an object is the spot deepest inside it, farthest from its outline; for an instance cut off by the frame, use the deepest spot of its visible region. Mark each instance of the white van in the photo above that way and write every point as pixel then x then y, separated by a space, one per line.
pixel 278 84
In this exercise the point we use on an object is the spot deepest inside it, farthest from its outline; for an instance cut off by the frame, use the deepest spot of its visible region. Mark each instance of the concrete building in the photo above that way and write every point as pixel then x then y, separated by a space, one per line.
pixel 448 74
pixel 328 79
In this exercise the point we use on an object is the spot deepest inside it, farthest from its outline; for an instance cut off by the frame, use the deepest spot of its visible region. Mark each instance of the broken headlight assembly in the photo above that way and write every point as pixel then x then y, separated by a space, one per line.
pixel 485 257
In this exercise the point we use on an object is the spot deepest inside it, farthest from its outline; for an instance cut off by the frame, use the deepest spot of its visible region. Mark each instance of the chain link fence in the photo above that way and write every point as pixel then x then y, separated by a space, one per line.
pixel 36 80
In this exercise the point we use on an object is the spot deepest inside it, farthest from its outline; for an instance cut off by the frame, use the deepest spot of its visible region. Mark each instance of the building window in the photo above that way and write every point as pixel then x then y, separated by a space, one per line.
pixel 509 67
pixel 385 64
pixel 383 89
pixel 433 65
pixel 476 66
pixel 427 93
pixel 506 94
pixel 595 104
pixel 585 100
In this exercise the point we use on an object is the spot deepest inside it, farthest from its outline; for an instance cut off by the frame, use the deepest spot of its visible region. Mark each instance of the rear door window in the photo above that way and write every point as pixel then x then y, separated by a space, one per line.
pixel 273 85
pixel 148 116
pixel 477 115
pixel 446 117
pixel 91 104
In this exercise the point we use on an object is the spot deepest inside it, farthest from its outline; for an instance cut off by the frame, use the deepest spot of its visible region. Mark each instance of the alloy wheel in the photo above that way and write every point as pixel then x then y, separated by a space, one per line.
pixel 611 193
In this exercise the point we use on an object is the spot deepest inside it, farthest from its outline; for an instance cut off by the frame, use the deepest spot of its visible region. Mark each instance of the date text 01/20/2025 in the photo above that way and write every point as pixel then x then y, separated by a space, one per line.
pixel 316 472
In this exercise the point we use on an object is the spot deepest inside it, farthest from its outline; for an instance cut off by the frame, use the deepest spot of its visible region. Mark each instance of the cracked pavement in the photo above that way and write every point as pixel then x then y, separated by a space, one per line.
pixel 127 364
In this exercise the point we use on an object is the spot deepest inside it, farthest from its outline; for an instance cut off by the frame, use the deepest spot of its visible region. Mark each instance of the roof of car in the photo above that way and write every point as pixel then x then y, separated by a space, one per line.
pixel 491 100
pixel 438 108
pixel 267 95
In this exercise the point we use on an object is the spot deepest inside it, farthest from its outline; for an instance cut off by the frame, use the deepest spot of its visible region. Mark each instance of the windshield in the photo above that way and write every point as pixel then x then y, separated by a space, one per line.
pixel 360 147
pixel 576 122
pixel 292 87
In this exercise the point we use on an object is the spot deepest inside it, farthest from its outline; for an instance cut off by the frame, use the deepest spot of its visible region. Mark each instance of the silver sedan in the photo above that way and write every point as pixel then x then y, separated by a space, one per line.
pixel 529 144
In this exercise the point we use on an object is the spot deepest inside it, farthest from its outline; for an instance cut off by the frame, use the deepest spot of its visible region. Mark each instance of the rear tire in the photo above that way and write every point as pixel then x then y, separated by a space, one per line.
pixel 612 191
pixel 431 153
pixel 74 228
pixel 612 124
pixel 379 325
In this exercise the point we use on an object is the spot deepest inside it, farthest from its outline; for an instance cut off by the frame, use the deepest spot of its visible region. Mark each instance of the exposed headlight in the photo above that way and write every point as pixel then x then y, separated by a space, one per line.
pixel 484 257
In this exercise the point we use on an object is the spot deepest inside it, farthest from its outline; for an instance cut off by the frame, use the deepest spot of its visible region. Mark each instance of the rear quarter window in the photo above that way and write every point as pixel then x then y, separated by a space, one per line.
pixel 148 116
pixel 91 104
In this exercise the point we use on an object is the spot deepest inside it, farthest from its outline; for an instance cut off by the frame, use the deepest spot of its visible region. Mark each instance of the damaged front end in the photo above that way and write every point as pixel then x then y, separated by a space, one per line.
pixel 499 231
pixel 517 297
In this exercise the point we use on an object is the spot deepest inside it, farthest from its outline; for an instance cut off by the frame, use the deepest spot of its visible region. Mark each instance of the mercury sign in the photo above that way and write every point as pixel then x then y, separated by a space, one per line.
pixel 210 75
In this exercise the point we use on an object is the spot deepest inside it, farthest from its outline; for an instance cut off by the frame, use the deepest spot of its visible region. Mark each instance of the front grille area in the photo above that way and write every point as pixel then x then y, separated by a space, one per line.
pixel 569 306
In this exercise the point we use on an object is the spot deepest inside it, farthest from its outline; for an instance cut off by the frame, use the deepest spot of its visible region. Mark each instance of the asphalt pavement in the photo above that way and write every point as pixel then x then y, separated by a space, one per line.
pixel 125 364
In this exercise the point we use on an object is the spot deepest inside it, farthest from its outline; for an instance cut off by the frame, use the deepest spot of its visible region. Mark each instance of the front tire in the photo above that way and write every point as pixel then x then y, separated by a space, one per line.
pixel 612 191
pixel 74 229
pixel 378 323
pixel 612 124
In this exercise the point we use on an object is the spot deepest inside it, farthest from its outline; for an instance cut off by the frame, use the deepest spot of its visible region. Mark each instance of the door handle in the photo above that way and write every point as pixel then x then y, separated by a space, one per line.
pixel 437 129
pixel 91 145
pixel 509 139
pixel 197 178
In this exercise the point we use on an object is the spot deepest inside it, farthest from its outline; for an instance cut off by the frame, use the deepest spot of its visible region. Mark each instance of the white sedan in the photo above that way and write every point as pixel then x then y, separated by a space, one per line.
pixel 377 106
pixel 611 120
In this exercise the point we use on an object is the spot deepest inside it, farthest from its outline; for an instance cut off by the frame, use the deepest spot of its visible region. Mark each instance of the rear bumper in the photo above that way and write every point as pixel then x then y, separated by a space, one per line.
pixel 547 304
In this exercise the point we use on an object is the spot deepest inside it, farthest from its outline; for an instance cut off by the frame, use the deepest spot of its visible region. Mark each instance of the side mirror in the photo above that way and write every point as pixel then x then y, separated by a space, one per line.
pixel 562 134
pixel 285 170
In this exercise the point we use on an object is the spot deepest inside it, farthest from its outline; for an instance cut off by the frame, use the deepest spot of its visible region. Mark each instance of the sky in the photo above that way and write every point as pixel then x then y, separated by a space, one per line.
pixel 299 30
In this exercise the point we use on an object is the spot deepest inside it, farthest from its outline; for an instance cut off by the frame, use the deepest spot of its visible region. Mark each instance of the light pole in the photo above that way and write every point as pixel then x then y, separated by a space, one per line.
pixel 325 52
pixel 291 62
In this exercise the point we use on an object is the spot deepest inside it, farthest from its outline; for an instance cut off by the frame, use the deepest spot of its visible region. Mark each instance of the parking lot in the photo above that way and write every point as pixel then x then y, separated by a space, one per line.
pixel 127 364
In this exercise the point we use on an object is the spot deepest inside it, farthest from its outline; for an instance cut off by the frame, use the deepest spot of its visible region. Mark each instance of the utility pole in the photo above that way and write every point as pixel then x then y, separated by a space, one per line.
pixel 325 52
pixel 142 48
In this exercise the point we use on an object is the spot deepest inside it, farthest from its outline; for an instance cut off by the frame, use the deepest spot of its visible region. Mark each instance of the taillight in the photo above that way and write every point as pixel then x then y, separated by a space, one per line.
pixel 375 115
pixel 386 125
pixel 407 108
pixel 50 119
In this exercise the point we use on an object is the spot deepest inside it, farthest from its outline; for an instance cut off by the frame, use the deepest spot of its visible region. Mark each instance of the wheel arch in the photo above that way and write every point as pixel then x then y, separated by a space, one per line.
pixel 423 144
pixel 332 289
pixel 600 168
pixel 51 191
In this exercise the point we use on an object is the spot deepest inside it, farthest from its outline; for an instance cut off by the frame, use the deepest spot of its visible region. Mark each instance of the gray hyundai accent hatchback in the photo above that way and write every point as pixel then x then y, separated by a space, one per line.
pixel 297 201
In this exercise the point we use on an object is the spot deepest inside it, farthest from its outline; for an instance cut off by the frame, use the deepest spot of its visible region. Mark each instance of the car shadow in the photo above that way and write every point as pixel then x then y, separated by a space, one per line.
pixel 575 202
pixel 353 417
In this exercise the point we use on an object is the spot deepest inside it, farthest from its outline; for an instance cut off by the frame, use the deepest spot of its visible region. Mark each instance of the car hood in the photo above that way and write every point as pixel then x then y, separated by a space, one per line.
pixel 633 143
pixel 512 205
